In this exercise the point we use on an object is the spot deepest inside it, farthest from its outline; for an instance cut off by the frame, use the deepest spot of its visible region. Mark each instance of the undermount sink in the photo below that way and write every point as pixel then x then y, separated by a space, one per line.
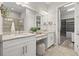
pixel 38 32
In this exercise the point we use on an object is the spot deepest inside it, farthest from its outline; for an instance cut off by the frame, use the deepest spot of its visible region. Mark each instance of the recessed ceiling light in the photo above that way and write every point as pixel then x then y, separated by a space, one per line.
pixel 69 4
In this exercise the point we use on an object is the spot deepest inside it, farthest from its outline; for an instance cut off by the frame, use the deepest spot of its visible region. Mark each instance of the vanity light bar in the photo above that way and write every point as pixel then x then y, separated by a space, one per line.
pixel 69 4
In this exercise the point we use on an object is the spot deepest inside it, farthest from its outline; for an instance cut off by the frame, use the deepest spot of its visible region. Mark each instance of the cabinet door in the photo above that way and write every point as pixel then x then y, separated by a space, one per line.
pixel 20 47
pixel 50 40
pixel 13 51
pixel 31 48
pixel 14 47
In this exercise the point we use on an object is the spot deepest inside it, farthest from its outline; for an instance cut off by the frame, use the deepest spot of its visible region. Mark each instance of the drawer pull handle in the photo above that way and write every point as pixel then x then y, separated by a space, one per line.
pixel 24 50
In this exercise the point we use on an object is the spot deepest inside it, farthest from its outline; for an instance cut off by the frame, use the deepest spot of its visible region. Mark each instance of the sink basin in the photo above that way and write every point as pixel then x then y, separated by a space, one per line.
pixel 39 33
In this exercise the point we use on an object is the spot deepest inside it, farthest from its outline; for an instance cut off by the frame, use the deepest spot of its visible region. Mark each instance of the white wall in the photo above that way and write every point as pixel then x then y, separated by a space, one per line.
pixel 53 16
pixel 76 36
pixel 77 18
pixel 29 20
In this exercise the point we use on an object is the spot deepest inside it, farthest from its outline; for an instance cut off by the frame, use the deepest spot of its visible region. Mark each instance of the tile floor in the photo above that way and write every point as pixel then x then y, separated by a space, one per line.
pixel 65 49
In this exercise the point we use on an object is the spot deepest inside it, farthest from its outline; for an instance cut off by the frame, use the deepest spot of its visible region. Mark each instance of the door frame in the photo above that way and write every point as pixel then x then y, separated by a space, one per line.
pixel 59 22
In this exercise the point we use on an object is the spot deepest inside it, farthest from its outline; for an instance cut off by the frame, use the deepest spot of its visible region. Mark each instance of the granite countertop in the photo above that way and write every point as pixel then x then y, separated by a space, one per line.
pixel 14 36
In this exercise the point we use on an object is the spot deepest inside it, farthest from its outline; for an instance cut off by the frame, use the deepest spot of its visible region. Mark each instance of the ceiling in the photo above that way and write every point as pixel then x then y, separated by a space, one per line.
pixel 65 9
pixel 35 5
pixel 14 7
pixel 40 5
pixel 44 5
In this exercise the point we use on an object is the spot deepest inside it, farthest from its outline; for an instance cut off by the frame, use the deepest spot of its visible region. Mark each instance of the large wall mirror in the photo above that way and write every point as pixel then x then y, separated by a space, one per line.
pixel 15 15
pixel 7 24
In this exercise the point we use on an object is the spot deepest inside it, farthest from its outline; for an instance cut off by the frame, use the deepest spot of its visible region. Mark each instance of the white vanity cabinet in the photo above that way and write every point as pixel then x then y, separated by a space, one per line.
pixel 25 46
pixel 50 40
pixel 31 49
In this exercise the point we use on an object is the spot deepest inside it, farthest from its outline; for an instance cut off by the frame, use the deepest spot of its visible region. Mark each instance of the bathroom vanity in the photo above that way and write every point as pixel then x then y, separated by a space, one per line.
pixel 18 45
pixel 24 44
